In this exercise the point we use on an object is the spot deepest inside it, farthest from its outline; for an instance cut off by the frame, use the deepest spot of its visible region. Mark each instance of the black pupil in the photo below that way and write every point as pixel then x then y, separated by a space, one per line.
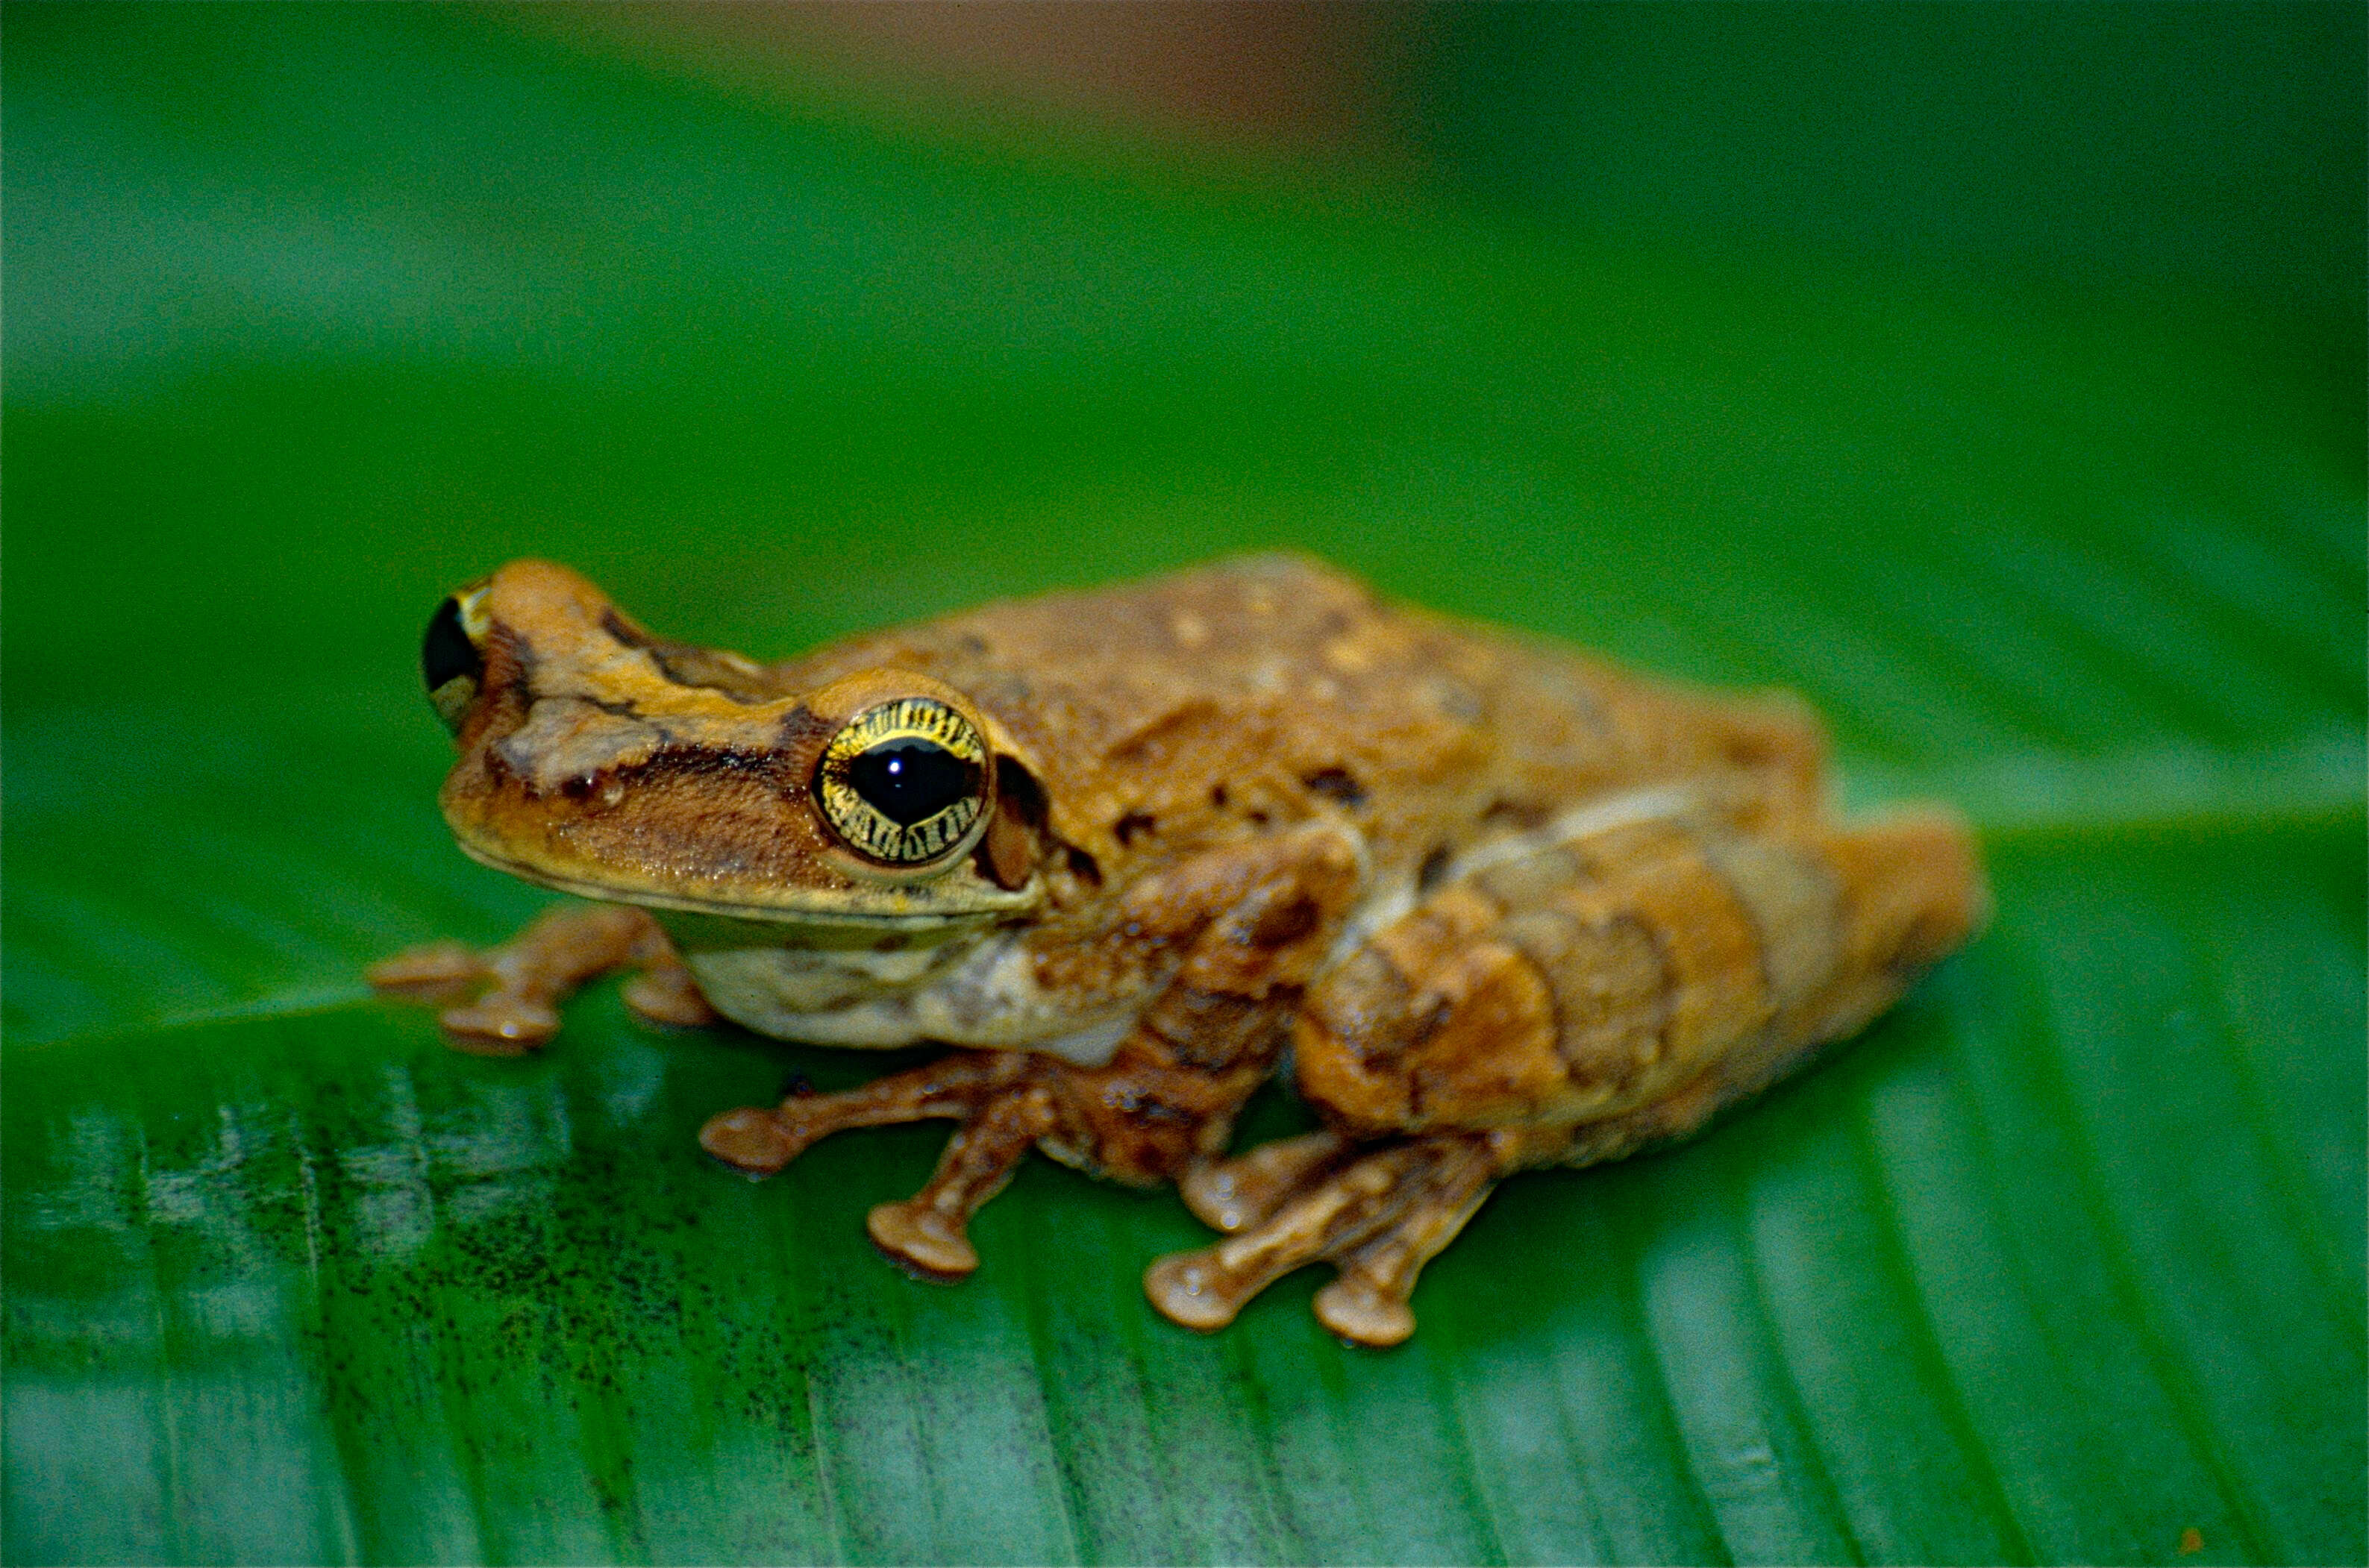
pixel 446 653
pixel 910 780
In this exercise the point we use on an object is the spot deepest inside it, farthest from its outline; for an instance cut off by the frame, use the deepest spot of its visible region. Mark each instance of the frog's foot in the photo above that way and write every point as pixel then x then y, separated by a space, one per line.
pixel 1227 1195
pixel 998 1097
pixel 1377 1216
pixel 505 1000
pixel 926 1233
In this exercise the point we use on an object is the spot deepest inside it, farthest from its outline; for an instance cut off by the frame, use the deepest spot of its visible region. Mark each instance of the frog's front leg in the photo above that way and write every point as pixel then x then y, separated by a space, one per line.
pixel 505 1000
pixel 998 1097
pixel 1562 1002
pixel 1246 926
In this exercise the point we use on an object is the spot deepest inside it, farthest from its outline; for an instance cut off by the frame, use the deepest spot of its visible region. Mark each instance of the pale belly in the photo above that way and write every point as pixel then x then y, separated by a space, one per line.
pixel 979 991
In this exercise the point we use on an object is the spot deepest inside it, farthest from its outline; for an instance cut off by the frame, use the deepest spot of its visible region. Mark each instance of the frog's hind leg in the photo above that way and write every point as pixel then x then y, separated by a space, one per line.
pixel 1377 1216
pixel 505 1000
pixel 1566 998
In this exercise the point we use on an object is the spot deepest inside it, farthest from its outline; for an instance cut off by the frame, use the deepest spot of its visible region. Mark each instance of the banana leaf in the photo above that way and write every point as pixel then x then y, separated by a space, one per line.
pixel 314 312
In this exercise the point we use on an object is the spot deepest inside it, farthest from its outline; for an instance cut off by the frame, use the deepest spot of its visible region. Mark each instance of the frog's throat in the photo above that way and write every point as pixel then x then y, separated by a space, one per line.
pixel 826 922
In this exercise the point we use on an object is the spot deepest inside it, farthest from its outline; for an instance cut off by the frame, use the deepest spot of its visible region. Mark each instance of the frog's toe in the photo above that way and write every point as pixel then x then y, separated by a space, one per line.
pixel 752 1139
pixel 499 1026
pixel 921 1240
pixel 1363 1314
pixel 436 972
pixel 668 997
pixel 1229 1195
pixel 1193 1289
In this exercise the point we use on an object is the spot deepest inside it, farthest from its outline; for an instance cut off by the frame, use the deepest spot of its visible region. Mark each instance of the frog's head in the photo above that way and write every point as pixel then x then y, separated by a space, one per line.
pixel 601 761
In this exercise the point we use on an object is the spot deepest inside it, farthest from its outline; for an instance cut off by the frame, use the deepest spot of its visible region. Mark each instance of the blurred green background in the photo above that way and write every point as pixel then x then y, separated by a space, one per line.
pixel 1991 374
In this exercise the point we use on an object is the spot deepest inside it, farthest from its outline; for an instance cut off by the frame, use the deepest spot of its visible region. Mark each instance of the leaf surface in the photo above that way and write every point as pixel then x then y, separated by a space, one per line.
pixel 315 313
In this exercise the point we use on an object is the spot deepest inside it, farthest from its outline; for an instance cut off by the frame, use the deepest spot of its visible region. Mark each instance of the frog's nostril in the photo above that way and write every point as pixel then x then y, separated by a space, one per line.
pixel 450 663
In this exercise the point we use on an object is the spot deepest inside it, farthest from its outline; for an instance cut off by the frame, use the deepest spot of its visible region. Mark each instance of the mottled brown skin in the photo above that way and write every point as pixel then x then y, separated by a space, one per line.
pixel 1513 906
pixel 1565 1006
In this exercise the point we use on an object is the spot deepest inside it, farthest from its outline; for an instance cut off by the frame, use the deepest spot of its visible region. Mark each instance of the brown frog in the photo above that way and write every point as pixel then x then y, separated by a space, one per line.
pixel 1508 905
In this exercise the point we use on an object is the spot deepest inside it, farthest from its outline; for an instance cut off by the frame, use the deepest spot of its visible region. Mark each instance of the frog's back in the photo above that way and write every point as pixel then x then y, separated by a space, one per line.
pixel 1266 689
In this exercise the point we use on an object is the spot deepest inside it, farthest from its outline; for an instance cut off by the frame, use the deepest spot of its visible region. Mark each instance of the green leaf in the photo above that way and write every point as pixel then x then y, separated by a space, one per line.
pixel 314 312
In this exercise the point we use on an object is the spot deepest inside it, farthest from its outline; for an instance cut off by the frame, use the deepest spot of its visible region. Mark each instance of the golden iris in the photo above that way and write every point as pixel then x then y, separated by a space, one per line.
pixel 905 782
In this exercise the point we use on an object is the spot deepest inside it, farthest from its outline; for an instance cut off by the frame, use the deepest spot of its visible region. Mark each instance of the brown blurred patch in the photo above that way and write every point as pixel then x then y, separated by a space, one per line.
pixel 1280 71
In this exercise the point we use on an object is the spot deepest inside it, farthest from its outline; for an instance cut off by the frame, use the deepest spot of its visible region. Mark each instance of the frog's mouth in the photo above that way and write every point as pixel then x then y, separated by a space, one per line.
pixel 859 917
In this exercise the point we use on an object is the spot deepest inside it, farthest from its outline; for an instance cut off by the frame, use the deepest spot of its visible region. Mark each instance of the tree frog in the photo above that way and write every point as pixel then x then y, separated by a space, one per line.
pixel 1499 904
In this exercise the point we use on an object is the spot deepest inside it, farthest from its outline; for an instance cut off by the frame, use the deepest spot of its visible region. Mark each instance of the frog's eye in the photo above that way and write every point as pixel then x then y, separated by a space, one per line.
pixel 905 783
pixel 449 659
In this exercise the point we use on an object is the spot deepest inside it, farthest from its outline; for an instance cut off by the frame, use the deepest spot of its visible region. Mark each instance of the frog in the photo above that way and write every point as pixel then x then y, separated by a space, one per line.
pixel 1489 903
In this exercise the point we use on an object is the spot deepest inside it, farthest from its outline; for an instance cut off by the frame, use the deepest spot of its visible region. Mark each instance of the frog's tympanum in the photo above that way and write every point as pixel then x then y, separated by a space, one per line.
pixel 1507 905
